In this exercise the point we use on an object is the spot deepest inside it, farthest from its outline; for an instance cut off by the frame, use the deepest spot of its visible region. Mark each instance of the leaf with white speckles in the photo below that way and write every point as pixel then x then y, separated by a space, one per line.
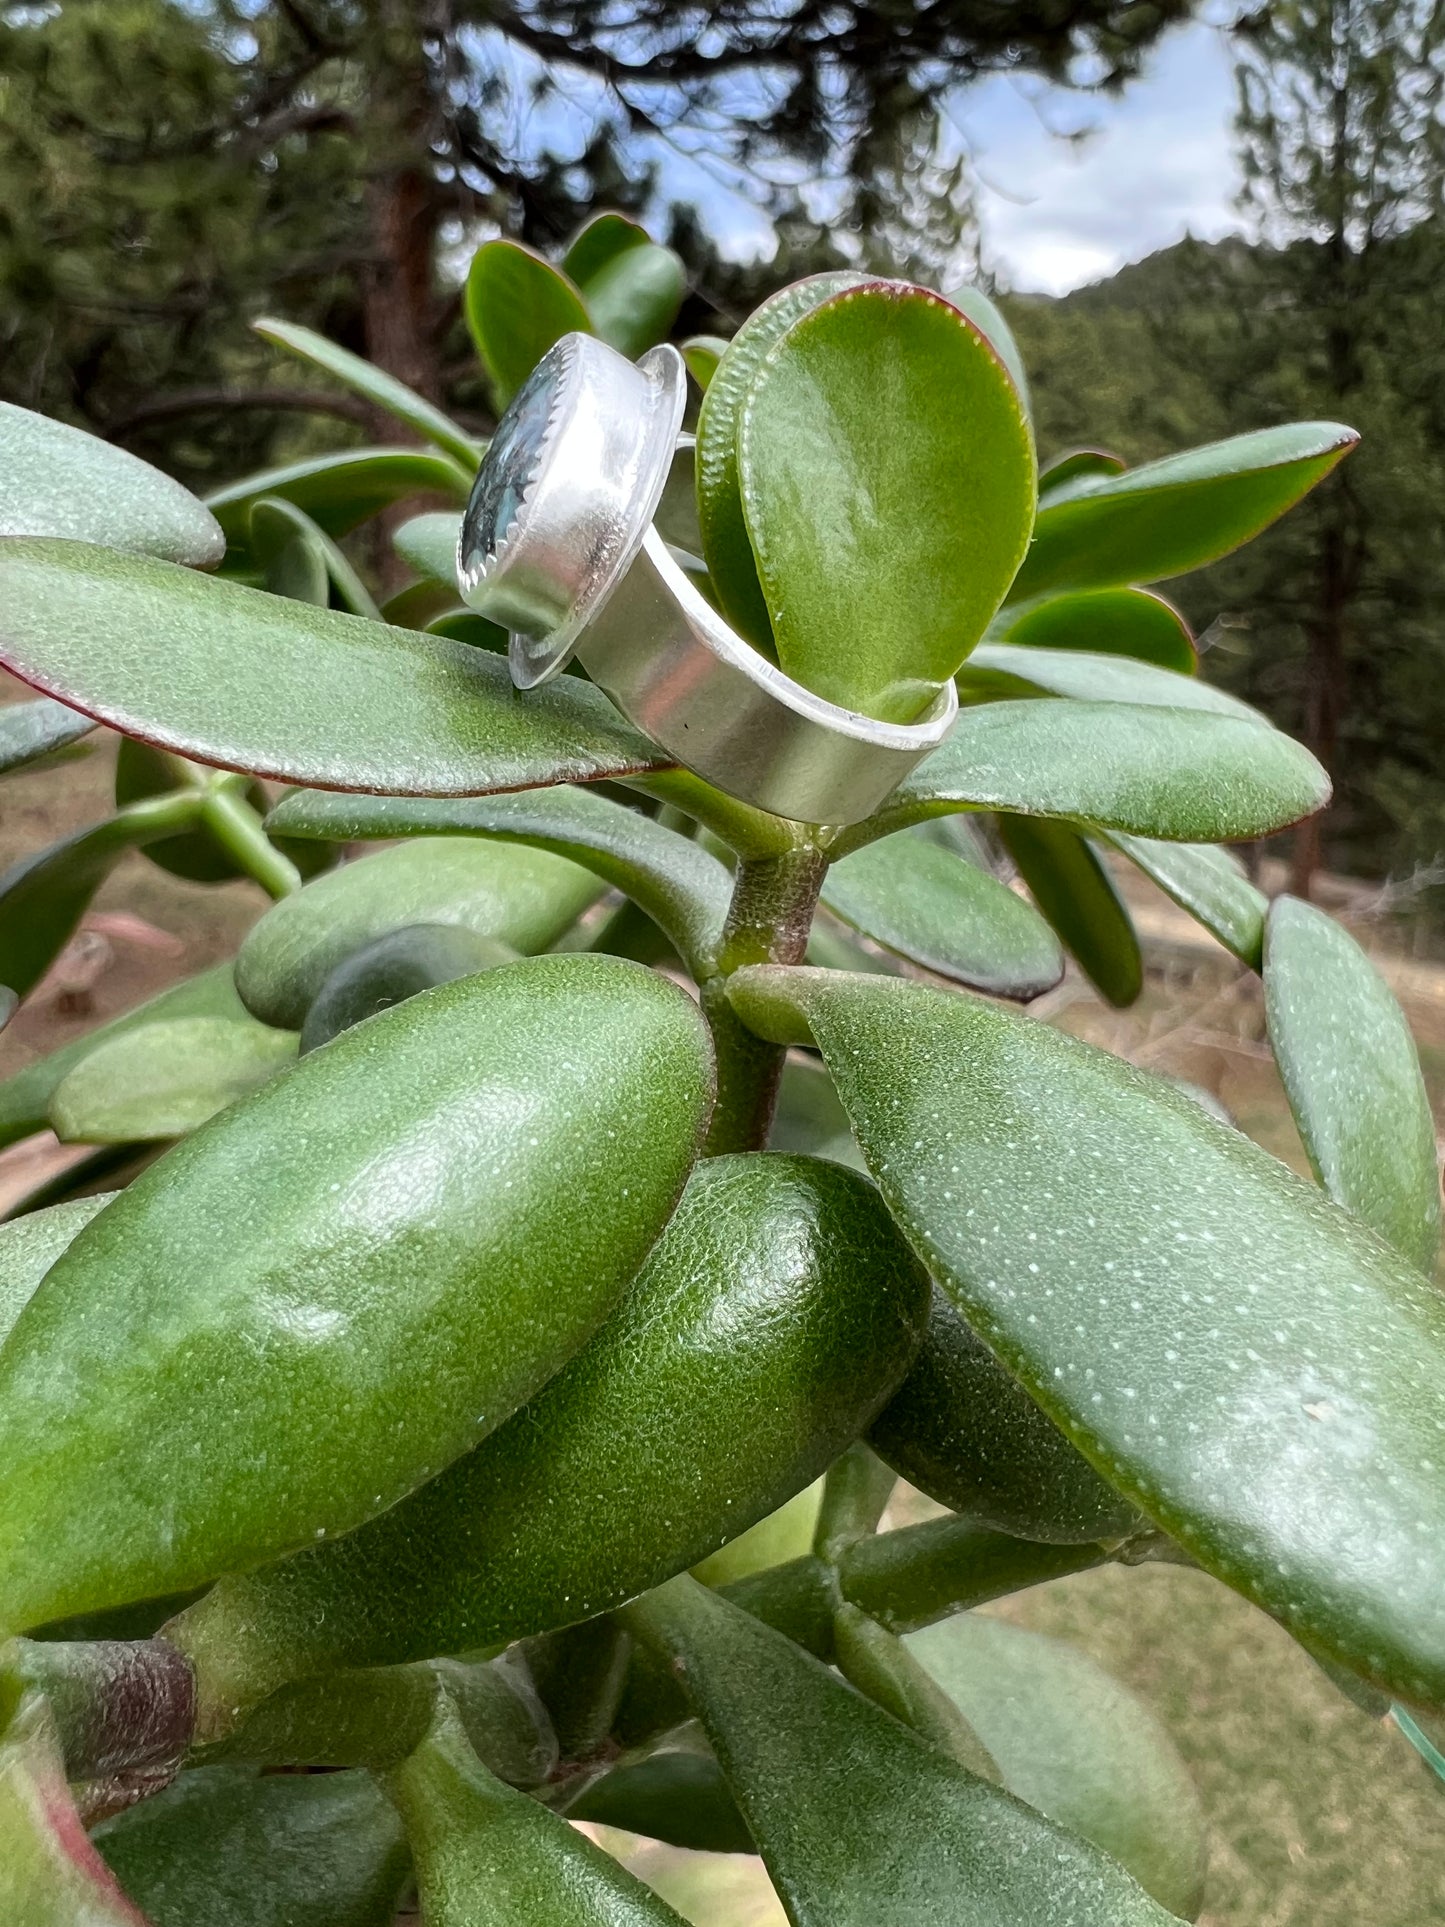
pixel 860 1821
pixel 1352 1076
pixel 230 675
pixel 776 1313
pixel 1182 774
pixel 182 1397
pixel 58 480
pixel 681 886
pixel 1259 1373
pixel 1077 1745
pixel 1210 884
pixel 931 905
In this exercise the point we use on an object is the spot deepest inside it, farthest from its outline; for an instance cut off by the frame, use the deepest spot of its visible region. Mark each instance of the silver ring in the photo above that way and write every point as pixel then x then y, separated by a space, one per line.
pixel 558 546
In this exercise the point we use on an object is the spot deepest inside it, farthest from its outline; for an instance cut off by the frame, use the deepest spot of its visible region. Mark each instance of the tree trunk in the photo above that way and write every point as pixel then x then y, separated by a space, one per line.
pixel 1324 686
pixel 399 304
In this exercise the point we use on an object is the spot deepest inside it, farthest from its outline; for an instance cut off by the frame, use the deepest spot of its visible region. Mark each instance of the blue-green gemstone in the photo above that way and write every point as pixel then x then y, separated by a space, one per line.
pixel 511 464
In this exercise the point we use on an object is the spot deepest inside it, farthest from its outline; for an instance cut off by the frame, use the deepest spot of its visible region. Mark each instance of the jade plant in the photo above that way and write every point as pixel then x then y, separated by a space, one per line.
pixel 537 1257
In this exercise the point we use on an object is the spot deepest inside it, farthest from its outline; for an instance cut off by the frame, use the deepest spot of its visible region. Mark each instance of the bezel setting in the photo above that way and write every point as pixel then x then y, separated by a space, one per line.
pixel 577 568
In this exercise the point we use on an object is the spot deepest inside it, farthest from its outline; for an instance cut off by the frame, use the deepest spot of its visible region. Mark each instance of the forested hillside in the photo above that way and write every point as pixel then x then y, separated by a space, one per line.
pixel 1200 341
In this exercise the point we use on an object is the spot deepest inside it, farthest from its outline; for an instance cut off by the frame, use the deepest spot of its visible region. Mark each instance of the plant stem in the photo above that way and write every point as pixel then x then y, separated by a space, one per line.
pixel 910 1578
pixel 750 832
pixel 237 828
pixel 119 1704
pixel 768 921
pixel 855 1492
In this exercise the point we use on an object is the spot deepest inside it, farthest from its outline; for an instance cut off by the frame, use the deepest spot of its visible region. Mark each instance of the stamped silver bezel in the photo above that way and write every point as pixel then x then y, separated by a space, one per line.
pixel 611 429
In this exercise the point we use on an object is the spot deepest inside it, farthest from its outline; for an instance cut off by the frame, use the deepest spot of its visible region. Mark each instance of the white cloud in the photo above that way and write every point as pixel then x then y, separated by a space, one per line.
pixel 1157 164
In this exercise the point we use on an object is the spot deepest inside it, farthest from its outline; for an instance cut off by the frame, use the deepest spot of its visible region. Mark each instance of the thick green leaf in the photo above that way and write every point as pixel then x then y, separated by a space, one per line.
pixel 809 1117
pixel 859 1820
pixel 287 547
pixel 887 476
pixel 633 298
pixel 522 898
pixel 298 558
pixel 919 1574
pixel 166 1078
pixel 57 480
pixel 1180 774
pixel 1259 1373
pixel 466 626
pixel 785 1534
pixel 1001 669
pixel 938 910
pixel 681 886
pixel 677 1794
pixel 487 1856
pixel 376 1716
pixel 229 675
pixel 1353 1078
pixel 338 491
pixel 1078 465
pixel 382 390
pixel 726 545
pixel 31 730
pixel 25 1097
pixel 517 306
pixel 598 243
pixel 424 1182
pixel 29 1246
pixel 962 1429
pixel 401 964
pixel 429 543
pixel 675 517
pixel 778 1312
pixel 1177 514
pixel 44 897
pixel 222 1848
pixel 419 603
pixel 987 317
pixel 1210 884
pixel 1077 896
pixel 50 1874
pixel 702 353
pixel 1078 1746
pixel 881 1667
pixel 1115 622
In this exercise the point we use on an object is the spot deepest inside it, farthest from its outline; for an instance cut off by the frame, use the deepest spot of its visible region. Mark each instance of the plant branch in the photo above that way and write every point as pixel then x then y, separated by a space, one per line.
pixel 238 829
pixel 768 921
pixel 204 401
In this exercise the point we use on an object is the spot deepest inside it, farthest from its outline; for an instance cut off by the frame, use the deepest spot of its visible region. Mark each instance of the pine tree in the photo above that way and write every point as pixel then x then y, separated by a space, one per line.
pixel 1343 143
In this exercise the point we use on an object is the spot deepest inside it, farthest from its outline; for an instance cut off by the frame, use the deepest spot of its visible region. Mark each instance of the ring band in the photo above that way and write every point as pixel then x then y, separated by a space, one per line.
pixel 557 544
